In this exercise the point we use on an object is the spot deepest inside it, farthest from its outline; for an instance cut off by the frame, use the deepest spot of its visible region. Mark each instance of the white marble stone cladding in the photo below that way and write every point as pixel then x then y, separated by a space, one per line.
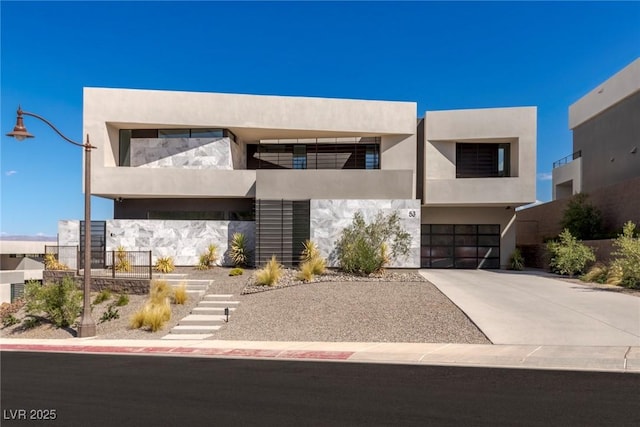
pixel 329 217
pixel 185 153
pixel 185 241
pixel 68 235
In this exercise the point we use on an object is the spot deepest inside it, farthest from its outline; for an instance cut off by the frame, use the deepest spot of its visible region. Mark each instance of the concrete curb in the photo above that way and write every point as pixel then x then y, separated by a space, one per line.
pixel 581 358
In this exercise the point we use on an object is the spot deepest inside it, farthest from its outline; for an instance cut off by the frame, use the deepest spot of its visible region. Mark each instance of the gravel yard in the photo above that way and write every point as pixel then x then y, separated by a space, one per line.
pixel 400 307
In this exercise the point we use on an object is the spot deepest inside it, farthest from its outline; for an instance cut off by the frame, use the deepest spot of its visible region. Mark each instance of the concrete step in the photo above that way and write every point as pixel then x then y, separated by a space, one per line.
pixel 217 297
pixel 186 337
pixel 169 276
pixel 210 310
pixel 194 329
pixel 209 303
pixel 203 319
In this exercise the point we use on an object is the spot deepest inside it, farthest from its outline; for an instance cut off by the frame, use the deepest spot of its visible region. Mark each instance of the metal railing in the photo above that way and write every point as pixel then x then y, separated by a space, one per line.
pixel 105 264
pixel 567 159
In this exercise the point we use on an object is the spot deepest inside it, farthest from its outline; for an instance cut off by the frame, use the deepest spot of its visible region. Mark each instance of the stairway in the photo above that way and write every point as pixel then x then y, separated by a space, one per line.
pixel 207 317
pixel 196 288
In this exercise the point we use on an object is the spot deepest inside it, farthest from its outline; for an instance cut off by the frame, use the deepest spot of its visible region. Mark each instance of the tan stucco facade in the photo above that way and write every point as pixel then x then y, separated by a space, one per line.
pixel 251 118
pixel 513 126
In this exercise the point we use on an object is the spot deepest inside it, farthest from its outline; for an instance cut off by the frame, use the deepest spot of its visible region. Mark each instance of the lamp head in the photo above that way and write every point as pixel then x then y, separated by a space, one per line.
pixel 19 131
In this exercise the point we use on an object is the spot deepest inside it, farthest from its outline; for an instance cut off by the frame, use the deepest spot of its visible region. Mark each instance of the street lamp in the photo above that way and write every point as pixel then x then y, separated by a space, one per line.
pixel 87 327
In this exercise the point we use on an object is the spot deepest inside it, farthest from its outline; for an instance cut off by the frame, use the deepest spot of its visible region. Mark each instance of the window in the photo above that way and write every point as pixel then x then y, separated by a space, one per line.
pixel 173 133
pixel 207 133
pixel 127 134
pixel 299 157
pixel 482 160
pixel 313 156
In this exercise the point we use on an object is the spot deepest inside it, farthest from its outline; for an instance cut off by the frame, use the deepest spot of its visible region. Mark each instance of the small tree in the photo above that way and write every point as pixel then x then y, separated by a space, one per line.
pixel 366 248
pixel 60 303
pixel 627 256
pixel 569 255
pixel 581 218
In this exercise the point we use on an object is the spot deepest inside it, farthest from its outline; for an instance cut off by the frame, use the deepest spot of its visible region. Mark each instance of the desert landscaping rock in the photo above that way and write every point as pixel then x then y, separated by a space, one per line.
pixel 399 306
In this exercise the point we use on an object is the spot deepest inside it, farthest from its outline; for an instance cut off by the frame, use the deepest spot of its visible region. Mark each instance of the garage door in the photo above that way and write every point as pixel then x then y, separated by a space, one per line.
pixel 460 246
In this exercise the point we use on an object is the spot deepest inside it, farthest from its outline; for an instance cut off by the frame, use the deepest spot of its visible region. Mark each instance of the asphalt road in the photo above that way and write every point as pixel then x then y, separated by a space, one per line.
pixel 103 390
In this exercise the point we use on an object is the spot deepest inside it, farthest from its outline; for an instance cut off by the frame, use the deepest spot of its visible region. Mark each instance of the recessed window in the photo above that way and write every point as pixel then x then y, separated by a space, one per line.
pixel 482 160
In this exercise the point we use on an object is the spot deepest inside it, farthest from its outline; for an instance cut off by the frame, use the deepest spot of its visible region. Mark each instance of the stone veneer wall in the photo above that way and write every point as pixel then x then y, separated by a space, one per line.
pixel 329 217
pixel 185 153
pixel 69 235
pixel 185 241
pixel 182 240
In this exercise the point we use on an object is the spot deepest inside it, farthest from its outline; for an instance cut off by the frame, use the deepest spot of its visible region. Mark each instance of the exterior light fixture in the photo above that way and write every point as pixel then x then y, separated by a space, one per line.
pixel 87 326
pixel 226 313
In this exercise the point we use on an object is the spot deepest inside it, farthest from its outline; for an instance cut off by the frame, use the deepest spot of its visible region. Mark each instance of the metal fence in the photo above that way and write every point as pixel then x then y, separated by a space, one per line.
pixel 567 159
pixel 108 264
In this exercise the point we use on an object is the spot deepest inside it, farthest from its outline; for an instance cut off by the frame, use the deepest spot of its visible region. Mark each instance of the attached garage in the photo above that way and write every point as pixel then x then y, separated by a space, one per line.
pixel 460 246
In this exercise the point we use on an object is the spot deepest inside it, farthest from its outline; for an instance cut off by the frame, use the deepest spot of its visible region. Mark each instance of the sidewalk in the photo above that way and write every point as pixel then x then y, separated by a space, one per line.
pixel 582 358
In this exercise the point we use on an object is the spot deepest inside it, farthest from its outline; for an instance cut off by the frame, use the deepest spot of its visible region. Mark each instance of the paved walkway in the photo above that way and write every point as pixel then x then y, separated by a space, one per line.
pixel 609 359
pixel 525 308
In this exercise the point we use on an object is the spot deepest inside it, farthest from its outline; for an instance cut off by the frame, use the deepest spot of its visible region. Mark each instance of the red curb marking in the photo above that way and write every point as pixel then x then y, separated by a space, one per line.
pixel 302 354
pixel 253 353
pixel 289 354
pixel 182 350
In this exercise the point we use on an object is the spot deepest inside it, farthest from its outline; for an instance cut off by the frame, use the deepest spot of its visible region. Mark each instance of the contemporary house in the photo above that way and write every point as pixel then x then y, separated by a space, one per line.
pixel 188 169
pixel 605 163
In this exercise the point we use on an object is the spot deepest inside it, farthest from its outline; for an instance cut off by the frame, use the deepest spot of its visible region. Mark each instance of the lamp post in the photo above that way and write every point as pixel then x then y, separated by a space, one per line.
pixel 87 327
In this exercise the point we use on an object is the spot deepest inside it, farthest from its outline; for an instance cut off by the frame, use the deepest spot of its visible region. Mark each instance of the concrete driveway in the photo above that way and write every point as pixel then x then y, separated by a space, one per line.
pixel 528 308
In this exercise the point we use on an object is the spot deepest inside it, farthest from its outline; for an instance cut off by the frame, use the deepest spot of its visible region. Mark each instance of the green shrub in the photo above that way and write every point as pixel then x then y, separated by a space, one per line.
pixel 581 218
pixel 9 320
pixel 240 254
pixel 123 264
pixel 236 271
pixel 165 265
pixel 569 255
pixel 627 256
pixel 112 313
pixel 516 262
pixel 60 303
pixel 123 299
pixel 365 248
pixel 31 322
pixel 104 295
pixel 270 274
pixel 208 259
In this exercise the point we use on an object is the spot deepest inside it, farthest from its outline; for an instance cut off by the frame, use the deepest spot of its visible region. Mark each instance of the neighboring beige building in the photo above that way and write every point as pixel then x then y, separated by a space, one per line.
pixel 606 136
pixel 188 169
pixel 605 163
pixel 20 261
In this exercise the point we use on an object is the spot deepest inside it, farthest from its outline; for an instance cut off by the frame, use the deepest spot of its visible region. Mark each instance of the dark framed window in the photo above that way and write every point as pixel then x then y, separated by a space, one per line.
pixel 313 156
pixel 127 134
pixel 482 160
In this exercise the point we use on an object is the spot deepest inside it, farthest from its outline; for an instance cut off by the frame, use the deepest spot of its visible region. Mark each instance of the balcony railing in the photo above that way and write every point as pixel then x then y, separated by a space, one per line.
pixel 567 159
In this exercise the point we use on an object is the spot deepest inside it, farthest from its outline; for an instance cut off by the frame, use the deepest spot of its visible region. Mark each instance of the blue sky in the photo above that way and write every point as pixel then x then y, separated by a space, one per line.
pixel 441 55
